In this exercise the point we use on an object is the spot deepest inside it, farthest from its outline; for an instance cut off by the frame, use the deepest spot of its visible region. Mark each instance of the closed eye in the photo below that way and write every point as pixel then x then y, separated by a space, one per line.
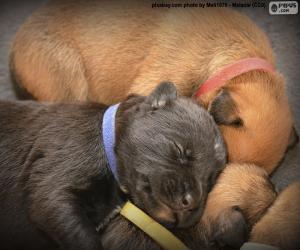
pixel 184 155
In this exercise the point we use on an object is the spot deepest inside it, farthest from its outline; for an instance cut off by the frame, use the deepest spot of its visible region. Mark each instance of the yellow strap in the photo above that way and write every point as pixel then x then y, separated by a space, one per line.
pixel 156 231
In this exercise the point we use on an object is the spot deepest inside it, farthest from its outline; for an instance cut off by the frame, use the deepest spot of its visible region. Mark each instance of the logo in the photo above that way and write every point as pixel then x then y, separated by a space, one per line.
pixel 274 7
pixel 283 8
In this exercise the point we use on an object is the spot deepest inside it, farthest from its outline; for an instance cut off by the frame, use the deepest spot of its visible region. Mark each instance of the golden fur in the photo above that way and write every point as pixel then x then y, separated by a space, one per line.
pixel 105 50
pixel 280 226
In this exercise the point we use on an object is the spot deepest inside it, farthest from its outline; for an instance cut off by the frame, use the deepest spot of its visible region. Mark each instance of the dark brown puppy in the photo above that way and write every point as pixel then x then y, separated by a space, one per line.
pixel 55 183
pixel 105 50
pixel 241 195
pixel 280 226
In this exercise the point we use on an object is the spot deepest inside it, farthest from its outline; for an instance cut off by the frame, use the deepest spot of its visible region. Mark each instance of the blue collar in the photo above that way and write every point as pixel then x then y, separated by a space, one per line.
pixel 109 137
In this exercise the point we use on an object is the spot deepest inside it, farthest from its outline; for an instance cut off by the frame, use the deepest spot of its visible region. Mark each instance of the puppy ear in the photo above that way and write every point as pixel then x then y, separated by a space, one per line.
pixel 163 94
pixel 224 110
pixel 293 139
pixel 231 229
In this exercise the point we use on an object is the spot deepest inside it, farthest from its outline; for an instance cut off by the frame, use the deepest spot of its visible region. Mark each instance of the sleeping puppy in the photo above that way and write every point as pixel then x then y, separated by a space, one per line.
pixel 105 50
pixel 280 226
pixel 55 179
pixel 233 206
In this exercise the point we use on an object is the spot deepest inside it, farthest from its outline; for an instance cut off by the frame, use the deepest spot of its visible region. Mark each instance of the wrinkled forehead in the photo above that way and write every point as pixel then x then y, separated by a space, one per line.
pixel 166 129
pixel 182 120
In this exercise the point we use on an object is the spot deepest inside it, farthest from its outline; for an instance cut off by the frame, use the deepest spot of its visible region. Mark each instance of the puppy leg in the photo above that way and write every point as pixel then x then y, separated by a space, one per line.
pixel 239 198
pixel 280 226
pixel 59 215
pixel 231 228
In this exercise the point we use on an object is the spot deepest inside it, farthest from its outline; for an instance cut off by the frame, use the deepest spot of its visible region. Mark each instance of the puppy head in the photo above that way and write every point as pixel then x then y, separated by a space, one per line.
pixel 169 153
pixel 255 119
pixel 239 198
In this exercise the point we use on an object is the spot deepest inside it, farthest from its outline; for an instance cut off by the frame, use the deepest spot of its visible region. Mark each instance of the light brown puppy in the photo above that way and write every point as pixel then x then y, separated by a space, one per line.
pixel 280 226
pixel 104 50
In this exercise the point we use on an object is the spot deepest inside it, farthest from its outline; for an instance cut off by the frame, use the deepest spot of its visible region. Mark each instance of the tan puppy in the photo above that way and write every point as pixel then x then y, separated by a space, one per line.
pixel 281 224
pixel 105 50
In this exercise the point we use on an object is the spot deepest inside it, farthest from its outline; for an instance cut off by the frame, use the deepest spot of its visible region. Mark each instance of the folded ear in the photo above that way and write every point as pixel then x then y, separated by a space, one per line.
pixel 224 110
pixel 162 95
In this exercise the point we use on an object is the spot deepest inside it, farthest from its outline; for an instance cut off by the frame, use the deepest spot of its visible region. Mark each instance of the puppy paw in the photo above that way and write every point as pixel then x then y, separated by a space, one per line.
pixel 230 229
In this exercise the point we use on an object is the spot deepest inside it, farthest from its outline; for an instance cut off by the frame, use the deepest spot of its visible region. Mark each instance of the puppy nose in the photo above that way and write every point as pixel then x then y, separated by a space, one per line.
pixel 188 202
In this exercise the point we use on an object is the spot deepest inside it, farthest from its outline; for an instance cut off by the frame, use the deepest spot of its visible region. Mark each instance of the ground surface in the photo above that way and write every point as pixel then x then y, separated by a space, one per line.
pixel 283 31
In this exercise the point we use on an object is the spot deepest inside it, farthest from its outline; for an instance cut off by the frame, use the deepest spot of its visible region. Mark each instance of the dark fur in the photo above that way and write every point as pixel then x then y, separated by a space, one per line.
pixel 232 208
pixel 225 111
pixel 229 231
pixel 55 183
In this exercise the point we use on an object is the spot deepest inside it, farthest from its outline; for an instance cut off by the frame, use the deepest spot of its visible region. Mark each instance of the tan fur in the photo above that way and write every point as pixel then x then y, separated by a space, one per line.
pixel 280 226
pixel 267 120
pixel 164 213
pixel 105 50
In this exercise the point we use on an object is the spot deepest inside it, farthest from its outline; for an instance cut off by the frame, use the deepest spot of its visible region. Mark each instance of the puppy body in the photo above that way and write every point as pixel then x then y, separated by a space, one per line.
pixel 143 39
pixel 45 179
pixel 103 51
pixel 56 187
pixel 222 224
pixel 280 226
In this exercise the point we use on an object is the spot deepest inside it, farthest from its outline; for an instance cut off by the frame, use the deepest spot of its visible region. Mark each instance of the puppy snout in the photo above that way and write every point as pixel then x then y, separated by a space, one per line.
pixel 189 210
pixel 188 202
pixel 180 194
pixel 184 199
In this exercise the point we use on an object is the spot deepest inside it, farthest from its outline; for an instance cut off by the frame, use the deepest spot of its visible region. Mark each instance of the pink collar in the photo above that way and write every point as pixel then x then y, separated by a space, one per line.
pixel 232 70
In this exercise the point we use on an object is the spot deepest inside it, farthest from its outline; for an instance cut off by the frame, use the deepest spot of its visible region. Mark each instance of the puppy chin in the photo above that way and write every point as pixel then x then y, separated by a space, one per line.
pixel 165 216
pixel 189 218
